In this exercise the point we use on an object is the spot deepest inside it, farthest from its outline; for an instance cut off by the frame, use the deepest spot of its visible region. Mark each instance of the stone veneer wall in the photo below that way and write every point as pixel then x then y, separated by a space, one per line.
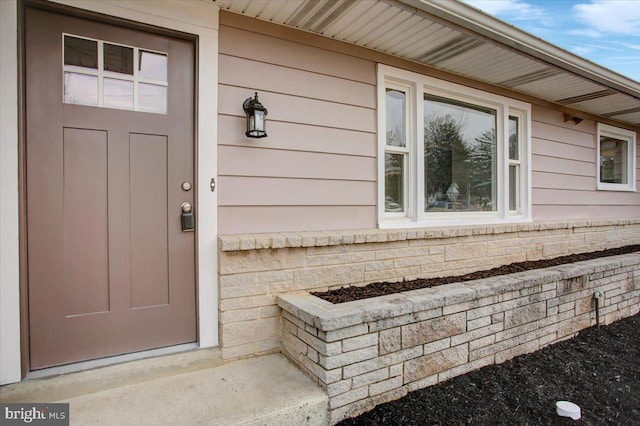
pixel 367 352
pixel 255 269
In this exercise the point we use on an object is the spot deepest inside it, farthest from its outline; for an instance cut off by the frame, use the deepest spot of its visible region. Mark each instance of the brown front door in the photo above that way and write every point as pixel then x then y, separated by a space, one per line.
pixel 109 144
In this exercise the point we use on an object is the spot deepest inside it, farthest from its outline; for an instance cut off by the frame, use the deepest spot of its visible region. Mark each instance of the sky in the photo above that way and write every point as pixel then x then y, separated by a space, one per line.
pixel 606 32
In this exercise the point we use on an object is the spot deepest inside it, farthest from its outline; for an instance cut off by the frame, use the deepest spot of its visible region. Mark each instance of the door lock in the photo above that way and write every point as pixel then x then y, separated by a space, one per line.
pixel 186 218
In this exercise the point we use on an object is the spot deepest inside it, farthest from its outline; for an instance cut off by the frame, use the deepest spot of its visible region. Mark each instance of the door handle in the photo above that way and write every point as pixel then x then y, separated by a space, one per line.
pixel 187 219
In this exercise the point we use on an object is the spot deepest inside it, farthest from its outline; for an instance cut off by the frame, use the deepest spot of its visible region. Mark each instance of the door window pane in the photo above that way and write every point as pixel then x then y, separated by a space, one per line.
pixel 394 182
pixel 118 94
pixel 396 117
pixel 152 98
pixel 80 89
pixel 513 138
pixel 460 156
pixel 153 66
pixel 613 160
pixel 80 52
pixel 118 59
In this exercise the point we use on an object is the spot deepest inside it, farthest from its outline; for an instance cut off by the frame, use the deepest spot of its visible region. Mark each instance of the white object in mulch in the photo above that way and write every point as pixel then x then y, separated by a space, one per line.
pixel 568 409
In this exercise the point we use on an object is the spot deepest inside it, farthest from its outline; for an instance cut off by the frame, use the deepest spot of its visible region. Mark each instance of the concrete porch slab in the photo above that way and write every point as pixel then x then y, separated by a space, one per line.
pixel 268 390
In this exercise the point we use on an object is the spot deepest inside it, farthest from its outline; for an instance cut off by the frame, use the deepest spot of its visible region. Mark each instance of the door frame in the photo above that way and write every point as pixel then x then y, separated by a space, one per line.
pixel 194 18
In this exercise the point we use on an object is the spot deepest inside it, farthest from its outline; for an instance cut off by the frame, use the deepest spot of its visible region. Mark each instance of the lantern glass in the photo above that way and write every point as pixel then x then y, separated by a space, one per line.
pixel 256 118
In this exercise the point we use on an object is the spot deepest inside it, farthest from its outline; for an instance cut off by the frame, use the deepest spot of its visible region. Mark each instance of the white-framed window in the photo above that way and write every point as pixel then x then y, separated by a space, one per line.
pixel 450 154
pixel 109 75
pixel 616 151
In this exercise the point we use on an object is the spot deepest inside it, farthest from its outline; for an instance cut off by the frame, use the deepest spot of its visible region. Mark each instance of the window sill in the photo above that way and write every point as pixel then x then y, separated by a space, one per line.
pixel 615 187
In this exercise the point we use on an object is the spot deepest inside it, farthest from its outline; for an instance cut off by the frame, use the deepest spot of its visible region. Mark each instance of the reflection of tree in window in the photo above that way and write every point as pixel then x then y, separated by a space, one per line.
pixel 613 160
pixel 460 156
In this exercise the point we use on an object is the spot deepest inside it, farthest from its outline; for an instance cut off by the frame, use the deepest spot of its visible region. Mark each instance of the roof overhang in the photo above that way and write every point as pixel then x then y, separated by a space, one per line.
pixel 457 38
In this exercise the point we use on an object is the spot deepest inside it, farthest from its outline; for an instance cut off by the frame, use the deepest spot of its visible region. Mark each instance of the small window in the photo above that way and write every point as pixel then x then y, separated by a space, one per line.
pixel 616 159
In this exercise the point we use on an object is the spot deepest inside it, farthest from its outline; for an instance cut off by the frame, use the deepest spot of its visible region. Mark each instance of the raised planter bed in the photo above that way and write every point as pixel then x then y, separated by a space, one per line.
pixel 374 350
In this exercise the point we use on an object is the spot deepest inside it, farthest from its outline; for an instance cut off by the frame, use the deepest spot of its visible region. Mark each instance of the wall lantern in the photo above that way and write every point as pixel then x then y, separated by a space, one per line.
pixel 256 114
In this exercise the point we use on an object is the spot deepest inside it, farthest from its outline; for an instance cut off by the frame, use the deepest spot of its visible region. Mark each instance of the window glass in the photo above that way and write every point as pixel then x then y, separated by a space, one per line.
pixel 396 117
pixel 118 94
pixel 459 156
pixel 153 66
pixel 613 160
pixel 152 98
pixel 118 59
pixel 80 89
pixel 80 52
pixel 513 187
pixel 394 182
pixel 513 138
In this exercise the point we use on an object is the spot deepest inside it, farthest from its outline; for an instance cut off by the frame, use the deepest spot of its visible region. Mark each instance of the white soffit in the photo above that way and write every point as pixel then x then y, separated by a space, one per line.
pixel 457 38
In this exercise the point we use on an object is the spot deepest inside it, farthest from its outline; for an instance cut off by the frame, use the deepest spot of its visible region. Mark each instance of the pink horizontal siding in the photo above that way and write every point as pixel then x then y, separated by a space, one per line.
pixel 317 168
pixel 564 172
pixel 255 219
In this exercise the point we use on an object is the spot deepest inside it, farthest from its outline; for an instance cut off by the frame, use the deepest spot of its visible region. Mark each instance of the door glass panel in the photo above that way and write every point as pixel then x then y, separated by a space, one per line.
pixel 80 52
pixel 80 89
pixel 118 59
pixel 153 66
pixel 152 98
pixel 118 94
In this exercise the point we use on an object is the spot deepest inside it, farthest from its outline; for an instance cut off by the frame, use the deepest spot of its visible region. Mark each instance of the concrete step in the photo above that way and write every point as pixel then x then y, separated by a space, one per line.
pixel 267 390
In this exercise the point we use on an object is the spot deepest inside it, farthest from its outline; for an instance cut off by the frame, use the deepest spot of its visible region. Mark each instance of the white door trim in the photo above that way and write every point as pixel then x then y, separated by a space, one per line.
pixel 195 17
pixel 9 238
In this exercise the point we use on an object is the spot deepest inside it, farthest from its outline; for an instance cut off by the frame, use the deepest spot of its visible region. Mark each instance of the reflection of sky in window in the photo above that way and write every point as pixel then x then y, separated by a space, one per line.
pixel 396 101
pixel 153 66
pixel 80 89
pixel 118 94
pixel 474 122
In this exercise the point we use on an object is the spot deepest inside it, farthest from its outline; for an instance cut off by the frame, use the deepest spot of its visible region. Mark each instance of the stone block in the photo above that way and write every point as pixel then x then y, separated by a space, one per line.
pixel 371 377
pixel 437 346
pixel 525 314
pixel 389 341
pixel 343 333
pixel 239 315
pixel 324 348
pixel 235 262
pixel 381 361
pixel 243 291
pixel 239 333
pixel 385 386
pixel 325 376
pixel 573 285
pixel 359 342
pixel 465 368
pixel 348 397
pixel 331 362
pixel 428 365
pixel 431 330
pixel 338 387
pixel 328 276
pixel 518 350
pixel 465 251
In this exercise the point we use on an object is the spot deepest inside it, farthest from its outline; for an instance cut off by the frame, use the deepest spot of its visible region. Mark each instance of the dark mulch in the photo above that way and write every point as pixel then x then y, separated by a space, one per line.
pixel 599 370
pixel 348 294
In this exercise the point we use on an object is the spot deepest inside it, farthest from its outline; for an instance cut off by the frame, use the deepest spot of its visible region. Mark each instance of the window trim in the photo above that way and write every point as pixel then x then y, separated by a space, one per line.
pixel 625 135
pixel 417 85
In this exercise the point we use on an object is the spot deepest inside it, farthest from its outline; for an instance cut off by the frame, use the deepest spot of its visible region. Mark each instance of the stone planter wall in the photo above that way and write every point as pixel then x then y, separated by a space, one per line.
pixel 367 352
pixel 255 268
